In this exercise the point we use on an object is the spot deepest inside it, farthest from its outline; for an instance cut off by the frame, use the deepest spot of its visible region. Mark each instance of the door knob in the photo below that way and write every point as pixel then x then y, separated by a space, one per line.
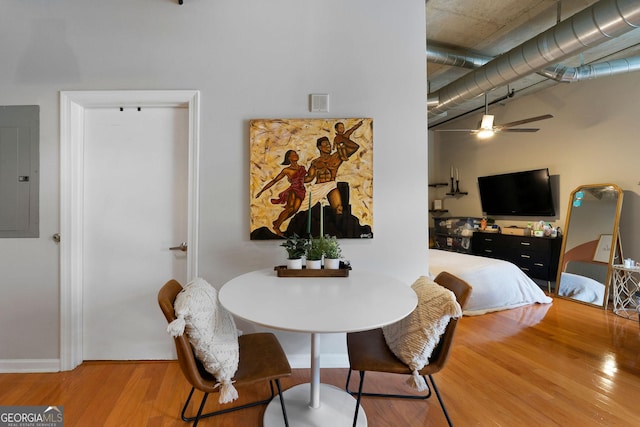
pixel 182 247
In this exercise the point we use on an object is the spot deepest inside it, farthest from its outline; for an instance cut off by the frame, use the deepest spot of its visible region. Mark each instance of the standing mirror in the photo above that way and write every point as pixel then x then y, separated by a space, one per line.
pixel 590 243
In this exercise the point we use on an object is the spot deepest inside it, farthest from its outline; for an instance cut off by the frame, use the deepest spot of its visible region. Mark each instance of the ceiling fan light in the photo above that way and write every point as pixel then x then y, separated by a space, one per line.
pixel 487 122
pixel 485 133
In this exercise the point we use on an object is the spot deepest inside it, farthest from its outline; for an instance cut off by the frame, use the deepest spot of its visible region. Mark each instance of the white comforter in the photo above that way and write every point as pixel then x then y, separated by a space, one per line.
pixel 497 285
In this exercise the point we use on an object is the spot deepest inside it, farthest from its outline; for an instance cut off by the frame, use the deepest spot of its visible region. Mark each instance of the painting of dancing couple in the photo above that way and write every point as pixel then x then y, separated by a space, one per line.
pixel 311 177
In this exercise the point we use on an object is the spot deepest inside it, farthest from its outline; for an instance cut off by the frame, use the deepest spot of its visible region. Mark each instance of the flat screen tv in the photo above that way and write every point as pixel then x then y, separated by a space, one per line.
pixel 526 193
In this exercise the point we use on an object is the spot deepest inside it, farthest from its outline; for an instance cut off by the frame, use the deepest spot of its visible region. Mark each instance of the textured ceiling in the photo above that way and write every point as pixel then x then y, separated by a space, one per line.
pixel 491 28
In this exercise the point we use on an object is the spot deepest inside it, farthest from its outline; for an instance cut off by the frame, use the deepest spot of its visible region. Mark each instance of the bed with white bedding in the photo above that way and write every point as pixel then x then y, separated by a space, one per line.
pixel 497 285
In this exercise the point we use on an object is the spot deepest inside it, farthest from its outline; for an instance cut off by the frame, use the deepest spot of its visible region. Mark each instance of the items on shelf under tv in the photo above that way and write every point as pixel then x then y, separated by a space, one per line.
pixel 526 193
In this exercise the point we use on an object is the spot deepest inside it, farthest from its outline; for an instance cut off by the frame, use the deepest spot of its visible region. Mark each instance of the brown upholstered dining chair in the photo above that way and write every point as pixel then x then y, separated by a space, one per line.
pixel 261 359
pixel 368 351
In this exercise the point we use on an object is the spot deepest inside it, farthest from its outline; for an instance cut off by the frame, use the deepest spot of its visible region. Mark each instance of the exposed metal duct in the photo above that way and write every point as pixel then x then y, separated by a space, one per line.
pixel 592 71
pixel 432 100
pixel 592 26
pixel 440 54
pixel 456 57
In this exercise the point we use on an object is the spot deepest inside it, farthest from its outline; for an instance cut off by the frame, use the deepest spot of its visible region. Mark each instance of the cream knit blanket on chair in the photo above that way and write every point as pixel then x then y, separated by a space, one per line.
pixel 413 338
pixel 211 331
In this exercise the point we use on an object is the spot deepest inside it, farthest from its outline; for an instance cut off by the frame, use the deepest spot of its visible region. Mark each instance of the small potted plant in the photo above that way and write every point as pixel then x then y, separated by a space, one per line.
pixel 296 247
pixel 314 253
pixel 332 252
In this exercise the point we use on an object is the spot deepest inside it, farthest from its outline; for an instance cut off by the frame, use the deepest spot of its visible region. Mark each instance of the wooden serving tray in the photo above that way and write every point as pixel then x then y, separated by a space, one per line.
pixel 282 271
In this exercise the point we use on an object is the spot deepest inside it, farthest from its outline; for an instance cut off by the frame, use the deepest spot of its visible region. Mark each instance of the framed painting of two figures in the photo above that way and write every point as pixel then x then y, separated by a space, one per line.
pixel 311 177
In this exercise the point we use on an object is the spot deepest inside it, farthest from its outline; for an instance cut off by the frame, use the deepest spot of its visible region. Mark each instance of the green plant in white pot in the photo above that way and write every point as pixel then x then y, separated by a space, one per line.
pixel 332 252
pixel 296 248
pixel 314 253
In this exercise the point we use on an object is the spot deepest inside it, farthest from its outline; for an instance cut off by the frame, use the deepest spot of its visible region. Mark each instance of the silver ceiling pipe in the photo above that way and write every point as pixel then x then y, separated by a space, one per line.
pixel 432 100
pixel 593 71
pixel 456 57
pixel 590 27
pixel 441 54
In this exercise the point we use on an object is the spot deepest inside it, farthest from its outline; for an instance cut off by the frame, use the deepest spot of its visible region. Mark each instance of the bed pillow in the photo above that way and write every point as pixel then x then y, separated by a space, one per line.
pixel 413 338
pixel 211 331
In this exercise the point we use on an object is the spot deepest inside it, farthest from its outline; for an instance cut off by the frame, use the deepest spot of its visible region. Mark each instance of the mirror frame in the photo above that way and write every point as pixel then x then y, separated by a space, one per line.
pixel 615 247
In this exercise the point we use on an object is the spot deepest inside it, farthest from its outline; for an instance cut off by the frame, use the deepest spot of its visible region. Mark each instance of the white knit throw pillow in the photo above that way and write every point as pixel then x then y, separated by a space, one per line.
pixel 211 331
pixel 413 338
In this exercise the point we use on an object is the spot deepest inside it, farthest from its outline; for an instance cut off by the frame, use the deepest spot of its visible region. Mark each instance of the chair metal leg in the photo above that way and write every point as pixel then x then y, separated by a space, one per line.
pixel 186 404
pixel 446 414
pixel 355 416
pixel 359 393
pixel 284 410
pixel 346 386
pixel 394 396
pixel 200 415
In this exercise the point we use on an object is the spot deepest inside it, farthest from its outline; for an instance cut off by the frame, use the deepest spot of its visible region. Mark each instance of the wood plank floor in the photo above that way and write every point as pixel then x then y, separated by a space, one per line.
pixel 563 364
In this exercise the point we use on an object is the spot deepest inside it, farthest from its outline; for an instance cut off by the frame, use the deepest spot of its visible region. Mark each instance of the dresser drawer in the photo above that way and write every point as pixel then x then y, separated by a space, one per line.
pixel 530 256
pixel 532 244
pixel 489 245
pixel 535 269
pixel 537 257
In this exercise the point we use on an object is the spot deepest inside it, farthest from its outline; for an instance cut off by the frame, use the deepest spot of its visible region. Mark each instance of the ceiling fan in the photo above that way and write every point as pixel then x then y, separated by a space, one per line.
pixel 488 128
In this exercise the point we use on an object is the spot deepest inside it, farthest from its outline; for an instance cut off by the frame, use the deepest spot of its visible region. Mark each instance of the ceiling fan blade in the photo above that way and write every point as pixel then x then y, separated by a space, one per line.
pixel 523 121
pixel 507 127
pixel 455 130
pixel 517 130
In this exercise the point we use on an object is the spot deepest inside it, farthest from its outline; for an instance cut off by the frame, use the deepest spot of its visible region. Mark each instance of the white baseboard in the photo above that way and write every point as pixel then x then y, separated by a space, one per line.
pixel 297 361
pixel 29 365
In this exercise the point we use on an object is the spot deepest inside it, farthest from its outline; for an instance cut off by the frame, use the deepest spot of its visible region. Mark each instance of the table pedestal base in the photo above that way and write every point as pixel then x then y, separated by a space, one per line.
pixel 336 408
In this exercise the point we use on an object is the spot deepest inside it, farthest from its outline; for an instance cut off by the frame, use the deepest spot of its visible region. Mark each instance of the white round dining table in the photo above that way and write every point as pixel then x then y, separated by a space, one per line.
pixel 364 300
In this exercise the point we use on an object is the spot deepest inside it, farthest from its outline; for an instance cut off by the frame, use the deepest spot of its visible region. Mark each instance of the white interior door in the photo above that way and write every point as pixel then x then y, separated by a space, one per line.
pixel 135 209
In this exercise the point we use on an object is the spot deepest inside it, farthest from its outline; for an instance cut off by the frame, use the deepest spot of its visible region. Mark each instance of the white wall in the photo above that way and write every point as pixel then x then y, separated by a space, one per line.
pixel 593 138
pixel 250 59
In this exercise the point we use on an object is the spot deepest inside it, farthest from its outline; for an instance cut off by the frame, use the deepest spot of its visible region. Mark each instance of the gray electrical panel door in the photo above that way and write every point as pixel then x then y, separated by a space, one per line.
pixel 19 164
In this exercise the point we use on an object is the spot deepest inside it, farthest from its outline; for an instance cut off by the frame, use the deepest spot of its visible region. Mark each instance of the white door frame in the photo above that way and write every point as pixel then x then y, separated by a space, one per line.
pixel 72 108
